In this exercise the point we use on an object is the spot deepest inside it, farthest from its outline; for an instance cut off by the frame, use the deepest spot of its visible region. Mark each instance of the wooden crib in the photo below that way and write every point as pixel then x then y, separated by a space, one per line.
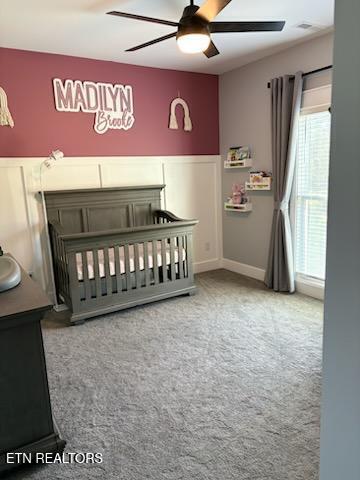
pixel 114 248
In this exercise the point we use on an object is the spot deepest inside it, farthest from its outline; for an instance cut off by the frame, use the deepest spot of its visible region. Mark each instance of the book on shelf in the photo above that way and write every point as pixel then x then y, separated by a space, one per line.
pixel 238 154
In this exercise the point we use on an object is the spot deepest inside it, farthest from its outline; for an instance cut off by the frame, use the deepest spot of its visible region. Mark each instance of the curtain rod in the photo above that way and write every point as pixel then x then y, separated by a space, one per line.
pixel 312 72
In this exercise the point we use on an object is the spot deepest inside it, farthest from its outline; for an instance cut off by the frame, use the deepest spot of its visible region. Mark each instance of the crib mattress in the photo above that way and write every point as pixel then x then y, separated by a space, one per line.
pixel 90 260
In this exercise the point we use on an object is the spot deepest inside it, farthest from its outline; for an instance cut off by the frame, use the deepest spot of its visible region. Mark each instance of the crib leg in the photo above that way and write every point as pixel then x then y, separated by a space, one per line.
pixel 75 323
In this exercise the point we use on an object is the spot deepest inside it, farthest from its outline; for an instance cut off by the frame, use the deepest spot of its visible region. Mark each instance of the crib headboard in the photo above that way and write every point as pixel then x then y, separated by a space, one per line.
pixel 96 209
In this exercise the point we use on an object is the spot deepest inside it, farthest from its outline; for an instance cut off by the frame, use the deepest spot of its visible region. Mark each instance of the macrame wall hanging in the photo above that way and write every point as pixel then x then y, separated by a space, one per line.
pixel 173 124
pixel 5 115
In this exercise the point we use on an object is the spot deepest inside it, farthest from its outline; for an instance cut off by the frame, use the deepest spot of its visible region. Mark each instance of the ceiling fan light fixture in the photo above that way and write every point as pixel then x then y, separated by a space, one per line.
pixel 197 25
pixel 193 42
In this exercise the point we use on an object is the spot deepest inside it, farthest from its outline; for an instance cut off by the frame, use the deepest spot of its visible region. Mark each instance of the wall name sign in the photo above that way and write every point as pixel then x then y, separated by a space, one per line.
pixel 112 105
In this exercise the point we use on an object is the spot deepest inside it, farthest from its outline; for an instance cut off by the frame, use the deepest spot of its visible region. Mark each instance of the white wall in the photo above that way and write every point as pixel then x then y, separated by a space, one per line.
pixel 245 120
pixel 192 191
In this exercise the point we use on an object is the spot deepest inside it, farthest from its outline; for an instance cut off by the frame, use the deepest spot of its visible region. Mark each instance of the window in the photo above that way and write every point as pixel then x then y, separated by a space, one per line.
pixel 311 193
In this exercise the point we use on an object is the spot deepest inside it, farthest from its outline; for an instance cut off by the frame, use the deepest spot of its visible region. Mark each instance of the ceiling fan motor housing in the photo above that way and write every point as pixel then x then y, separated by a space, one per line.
pixel 191 23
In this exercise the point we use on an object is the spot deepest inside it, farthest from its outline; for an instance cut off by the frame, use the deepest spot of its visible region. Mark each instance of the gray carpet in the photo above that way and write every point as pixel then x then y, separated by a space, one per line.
pixel 223 385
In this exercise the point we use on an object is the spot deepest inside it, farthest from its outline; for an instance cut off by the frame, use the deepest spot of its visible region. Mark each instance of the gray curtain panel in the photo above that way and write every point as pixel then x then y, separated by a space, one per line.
pixel 286 95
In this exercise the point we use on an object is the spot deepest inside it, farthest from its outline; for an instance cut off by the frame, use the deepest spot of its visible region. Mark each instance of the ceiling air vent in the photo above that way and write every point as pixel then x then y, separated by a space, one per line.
pixel 309 26
pixel 305 26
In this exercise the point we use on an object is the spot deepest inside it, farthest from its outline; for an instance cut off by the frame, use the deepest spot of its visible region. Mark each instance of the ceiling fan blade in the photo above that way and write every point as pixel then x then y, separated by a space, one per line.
pixel 227 27
pixel 211 8
pixel 152 42
pixel 144 19
pixel 212 51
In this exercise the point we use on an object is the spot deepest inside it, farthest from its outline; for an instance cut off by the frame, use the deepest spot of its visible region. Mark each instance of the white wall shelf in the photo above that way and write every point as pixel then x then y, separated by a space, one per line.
pixel 250 186
pixel 246 163
pixel 244 207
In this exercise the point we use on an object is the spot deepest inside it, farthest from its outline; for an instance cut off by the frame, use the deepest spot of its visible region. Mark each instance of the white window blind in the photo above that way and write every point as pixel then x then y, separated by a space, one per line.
pixel 316 100
pixel 311 193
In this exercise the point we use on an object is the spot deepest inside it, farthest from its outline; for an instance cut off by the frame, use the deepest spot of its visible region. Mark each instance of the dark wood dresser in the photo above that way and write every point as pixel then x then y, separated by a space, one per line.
pixel 26 423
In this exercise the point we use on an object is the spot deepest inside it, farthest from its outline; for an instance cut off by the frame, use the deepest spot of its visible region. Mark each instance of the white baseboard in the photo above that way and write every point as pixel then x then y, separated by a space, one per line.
pixel 314 290
pixel 207 265
pixel 310 289
pixel 243 269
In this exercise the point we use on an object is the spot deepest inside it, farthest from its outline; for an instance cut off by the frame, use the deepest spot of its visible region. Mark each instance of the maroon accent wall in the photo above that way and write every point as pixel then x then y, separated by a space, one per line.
pixel 39 128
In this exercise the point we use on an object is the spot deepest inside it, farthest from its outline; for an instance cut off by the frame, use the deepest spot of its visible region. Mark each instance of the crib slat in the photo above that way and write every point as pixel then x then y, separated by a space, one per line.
pixel 108 281
pixel 137 265
pixel 180 255
pixel 62 278
pixel 127 267
pixel 163 260
pixel 74 281
pixel 66 271
pixel 155 262
pixel 117 269
pixel 172 258
pixel 189 256
pixel 146 264
pixel 57 261
pixel 85 272
pixel 60 265
pixel 95 253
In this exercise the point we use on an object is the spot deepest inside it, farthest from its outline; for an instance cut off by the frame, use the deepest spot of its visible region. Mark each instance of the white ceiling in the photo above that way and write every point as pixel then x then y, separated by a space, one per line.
pixel 81 28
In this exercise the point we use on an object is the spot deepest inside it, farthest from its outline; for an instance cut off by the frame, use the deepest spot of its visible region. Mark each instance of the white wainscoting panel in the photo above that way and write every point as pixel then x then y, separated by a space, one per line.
pixel 192 190
pixel 192 193
pixel 144 171
pixel 66 175
pixel 15 234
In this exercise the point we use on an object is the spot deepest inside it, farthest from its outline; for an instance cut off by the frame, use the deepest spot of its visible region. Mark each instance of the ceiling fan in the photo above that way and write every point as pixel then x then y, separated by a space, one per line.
pixel 196 25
